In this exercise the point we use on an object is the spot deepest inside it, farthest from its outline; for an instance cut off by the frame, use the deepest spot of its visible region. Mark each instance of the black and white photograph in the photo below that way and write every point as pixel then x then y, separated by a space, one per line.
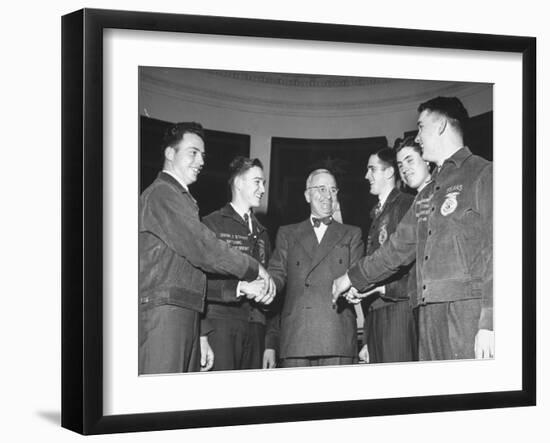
pixel 291 220
pixel 276 221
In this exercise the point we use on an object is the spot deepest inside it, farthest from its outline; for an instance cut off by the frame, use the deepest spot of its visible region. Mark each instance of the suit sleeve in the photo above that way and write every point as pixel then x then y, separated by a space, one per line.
pixel 272 330
pixel 357 247
pixel 277 269
pixel 278 262
pixel 179 227
pixel 399 250
pixel 484 197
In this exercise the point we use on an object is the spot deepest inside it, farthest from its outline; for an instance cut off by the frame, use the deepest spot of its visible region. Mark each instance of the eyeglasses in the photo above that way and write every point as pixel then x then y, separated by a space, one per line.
pixel 325 190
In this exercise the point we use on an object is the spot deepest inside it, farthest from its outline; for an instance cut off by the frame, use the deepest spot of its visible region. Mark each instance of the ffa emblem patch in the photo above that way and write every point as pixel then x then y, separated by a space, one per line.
pixel 450 204
pixel 382 235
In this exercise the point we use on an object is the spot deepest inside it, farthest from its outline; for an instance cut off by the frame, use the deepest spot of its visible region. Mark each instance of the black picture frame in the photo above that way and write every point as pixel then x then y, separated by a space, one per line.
pixel 82 218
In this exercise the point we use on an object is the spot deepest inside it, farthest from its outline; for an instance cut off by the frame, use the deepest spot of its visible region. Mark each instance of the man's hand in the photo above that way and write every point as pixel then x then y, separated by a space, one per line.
pixel 254 289
pixel 364 354
pixel 484 344
pixel 339 286
pixel 268 294
pixel 207 355
pixel 353 296
pixel 269 360
pixel 259 290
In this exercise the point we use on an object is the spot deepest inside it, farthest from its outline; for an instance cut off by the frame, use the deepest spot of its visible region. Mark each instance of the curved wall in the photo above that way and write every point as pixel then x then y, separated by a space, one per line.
pixel 263 107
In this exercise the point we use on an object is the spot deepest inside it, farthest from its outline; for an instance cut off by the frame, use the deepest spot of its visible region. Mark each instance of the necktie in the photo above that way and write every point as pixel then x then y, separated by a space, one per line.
pixel 325 220
pixel 247 221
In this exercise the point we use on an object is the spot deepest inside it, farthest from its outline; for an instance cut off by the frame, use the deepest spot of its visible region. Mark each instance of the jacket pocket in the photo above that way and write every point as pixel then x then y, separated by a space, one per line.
pixel 460 254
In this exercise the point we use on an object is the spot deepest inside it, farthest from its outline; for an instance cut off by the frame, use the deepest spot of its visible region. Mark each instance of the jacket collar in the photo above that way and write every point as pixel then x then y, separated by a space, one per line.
pixel 167 178
pixel 392 196
pixel 163 176
pixel 459 156
pixel 229 211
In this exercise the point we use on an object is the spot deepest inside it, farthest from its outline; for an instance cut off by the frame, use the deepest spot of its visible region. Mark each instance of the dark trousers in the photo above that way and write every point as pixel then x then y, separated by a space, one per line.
pixel 237 344
pixel 317 361
pixel 390 333
pixel 447 330
pixel 168 340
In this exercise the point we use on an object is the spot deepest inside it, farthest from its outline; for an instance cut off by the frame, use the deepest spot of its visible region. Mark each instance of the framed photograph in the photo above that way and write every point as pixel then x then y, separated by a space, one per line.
pixel 296 96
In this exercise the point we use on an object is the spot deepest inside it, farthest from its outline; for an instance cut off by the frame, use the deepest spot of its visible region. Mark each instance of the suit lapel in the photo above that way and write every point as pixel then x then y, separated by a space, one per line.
pixel 306 238
pixel 335 231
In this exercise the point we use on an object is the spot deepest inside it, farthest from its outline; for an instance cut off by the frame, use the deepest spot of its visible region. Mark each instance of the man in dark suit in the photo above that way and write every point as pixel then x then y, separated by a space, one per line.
pixel 307 258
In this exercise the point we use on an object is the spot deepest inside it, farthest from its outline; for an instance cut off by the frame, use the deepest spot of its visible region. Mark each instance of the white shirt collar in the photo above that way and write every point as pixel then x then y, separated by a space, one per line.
pixel 382 201
pixel 320 230
pixel 241 214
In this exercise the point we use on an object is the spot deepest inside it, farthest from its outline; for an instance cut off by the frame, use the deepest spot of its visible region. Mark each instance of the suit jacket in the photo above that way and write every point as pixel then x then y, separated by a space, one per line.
pixel 309 325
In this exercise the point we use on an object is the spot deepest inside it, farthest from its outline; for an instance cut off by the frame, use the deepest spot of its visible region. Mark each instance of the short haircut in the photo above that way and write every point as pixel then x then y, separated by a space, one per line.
pixel 239 165
pixel 317 172
pixel 387 157
pixel 174 134
pixel 450 107
pixel 407 142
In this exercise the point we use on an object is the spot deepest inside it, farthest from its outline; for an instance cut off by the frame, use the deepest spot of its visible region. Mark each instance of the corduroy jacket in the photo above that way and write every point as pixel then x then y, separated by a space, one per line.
pixel 176 249
pixel 449 231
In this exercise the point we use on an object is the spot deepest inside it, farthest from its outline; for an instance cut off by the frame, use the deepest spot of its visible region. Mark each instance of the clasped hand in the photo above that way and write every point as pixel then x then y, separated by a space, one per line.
pixel 262 290
pixel 341 287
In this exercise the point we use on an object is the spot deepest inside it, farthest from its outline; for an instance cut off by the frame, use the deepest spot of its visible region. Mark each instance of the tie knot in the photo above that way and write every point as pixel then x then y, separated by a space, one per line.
pixel 325 220
pixel 378 209
pixel 246 218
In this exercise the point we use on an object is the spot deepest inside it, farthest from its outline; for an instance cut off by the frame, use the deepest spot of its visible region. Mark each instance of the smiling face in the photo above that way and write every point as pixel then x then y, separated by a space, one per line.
pixel 186 159
pixel 412 167
pixel 320 194
pixel 429 133
pixel 250 186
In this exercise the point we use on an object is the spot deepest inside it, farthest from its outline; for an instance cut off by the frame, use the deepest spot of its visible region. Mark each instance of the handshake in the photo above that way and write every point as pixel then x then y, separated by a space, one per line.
pixel 341 287
pixel 262 290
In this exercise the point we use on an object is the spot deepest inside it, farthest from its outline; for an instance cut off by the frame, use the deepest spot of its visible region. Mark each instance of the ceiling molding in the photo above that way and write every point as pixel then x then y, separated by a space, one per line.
pixel 373 96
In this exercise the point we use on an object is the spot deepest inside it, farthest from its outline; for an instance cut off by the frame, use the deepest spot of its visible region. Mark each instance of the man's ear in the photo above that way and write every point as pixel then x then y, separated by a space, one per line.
pixel 237 182
pixel 442 125
pixel 169 153
pixel 307 196
pixel 389 172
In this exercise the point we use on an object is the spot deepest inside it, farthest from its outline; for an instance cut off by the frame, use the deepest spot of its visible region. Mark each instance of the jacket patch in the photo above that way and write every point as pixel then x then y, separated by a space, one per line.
pixel 382 235
pixel 261 251
pixel 422 207
pixel 454 188
pixel 450 203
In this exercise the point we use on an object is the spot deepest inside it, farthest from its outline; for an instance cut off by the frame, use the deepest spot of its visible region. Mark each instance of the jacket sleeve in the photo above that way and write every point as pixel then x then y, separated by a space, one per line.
pixel 484 200
pixel 399 250
pixel 220 289
pixel 405 203
pixel 176 223
pixel 206 326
